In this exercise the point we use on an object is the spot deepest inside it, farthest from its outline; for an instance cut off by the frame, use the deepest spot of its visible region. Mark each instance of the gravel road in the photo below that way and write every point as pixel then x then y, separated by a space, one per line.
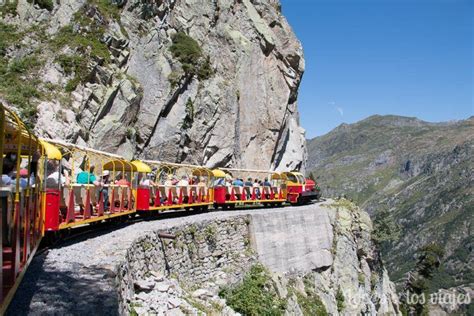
pixel 77 276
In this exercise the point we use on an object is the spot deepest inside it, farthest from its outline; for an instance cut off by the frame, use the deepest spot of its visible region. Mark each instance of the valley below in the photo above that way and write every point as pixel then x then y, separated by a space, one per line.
pixel 413 177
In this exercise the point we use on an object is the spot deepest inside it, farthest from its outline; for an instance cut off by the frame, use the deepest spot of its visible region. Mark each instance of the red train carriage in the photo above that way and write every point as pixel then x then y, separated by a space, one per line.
pixel 87 186
pixel 22 193
pixel 234 187
pixel 174 186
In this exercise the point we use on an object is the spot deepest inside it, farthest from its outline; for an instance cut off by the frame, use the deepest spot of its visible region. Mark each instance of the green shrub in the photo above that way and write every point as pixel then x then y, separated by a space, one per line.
pixel 74 64
pixel 205 70
pixel 81 41
pixel 340 301
pixel 9 7
pixel 174 78
pixel 188 52
pixel 311 304
pixel 255 295
pixel 18 88
pixel 43 4
pixel 189 117
pixel 8 36
pixel 185 49
pixel 107 9
pixel 71 63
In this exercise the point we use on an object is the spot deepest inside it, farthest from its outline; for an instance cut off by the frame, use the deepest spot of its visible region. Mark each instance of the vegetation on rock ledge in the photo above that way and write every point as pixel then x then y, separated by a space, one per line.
pixel 255 295
pixel 188 52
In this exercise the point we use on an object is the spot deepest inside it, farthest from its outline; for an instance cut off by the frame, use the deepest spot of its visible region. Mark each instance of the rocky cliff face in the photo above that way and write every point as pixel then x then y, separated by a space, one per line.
pixel 208 82
pixel 418 174
pixel 326 266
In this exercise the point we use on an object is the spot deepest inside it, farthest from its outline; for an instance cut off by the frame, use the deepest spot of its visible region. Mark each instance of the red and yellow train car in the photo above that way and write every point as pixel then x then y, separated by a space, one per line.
pixel 23 198
pixel 170 186
pixel 87 186
pixel 233 187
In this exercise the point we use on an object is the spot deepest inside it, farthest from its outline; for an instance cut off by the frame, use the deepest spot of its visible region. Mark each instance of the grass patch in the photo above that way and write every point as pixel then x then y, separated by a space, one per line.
pixel 255 295
pixel 311 304
pixel 8 36
pixel 340 301
pixel 76 64
pixel 9 7
pixel 107 9
pixel 83 41
pixel 18 88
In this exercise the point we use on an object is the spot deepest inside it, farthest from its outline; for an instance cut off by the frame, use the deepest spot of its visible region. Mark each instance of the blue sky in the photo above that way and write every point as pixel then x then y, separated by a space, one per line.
pixel 365 57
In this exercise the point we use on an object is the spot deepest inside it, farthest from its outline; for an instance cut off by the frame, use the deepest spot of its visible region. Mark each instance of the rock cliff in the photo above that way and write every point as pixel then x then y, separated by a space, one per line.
pixel 261 264
pixel 208 82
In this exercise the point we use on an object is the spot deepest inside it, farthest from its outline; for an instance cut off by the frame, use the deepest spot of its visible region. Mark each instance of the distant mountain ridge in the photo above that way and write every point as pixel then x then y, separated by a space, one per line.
pixel 421 172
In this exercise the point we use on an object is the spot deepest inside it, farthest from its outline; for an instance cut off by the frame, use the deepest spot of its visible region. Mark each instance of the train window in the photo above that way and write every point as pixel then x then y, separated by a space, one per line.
pixel 292 178
pixel 301 179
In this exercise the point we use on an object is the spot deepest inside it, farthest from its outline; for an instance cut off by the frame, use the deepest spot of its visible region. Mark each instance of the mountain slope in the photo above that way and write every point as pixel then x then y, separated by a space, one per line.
pixel 420 172
pixel 207 82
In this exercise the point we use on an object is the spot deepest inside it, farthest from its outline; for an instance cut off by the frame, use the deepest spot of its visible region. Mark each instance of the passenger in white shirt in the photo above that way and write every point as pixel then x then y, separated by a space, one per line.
pixel 184 182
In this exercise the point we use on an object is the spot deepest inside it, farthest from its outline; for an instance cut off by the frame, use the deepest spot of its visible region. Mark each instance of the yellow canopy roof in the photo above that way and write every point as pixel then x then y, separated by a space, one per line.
pixel 141 166
pixel 51 151
pixel 277 176
pixel 119 165
pixel 218 173
pixel 201 172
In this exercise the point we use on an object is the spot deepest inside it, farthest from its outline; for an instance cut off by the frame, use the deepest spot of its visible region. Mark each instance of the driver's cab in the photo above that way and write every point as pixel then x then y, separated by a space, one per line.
pixel 295 178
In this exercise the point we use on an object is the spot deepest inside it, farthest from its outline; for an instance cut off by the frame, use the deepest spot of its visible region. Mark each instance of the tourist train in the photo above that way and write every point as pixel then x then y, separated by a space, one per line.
pixel 49 186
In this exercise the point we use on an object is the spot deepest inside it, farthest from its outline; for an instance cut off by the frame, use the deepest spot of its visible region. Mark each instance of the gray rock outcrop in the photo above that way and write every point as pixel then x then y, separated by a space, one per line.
pixel 106 77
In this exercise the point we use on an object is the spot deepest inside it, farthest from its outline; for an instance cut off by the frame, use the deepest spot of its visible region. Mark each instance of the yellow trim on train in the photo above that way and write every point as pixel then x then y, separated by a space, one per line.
pixel 178 206
pixel 95 219
pixel 141 166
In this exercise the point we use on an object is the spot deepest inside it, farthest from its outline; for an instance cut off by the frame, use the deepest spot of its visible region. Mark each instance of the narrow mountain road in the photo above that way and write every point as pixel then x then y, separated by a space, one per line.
pixel 77 277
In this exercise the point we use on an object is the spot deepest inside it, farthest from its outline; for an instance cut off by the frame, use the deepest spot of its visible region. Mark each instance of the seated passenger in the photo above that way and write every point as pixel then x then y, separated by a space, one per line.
pixel 248 184
pixel 169 180
pixel 219 182
pixel 174 180
pixel 121 180
pixel 24 178
pixel 256 185
pixel 183 182
pixel 9 165
pixel 238 182
pixel 202 182
pixel 53 178
pixel 228 181
pixel 146 181
pixel 266 183
pixel 85 177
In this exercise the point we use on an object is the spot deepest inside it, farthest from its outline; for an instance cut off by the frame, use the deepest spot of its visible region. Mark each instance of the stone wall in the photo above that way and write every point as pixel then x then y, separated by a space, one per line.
pixel 162 274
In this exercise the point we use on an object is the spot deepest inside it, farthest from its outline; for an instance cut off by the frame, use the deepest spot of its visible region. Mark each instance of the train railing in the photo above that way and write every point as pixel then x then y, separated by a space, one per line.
pixel 163 195
pixel 247 193
pixel 81 203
